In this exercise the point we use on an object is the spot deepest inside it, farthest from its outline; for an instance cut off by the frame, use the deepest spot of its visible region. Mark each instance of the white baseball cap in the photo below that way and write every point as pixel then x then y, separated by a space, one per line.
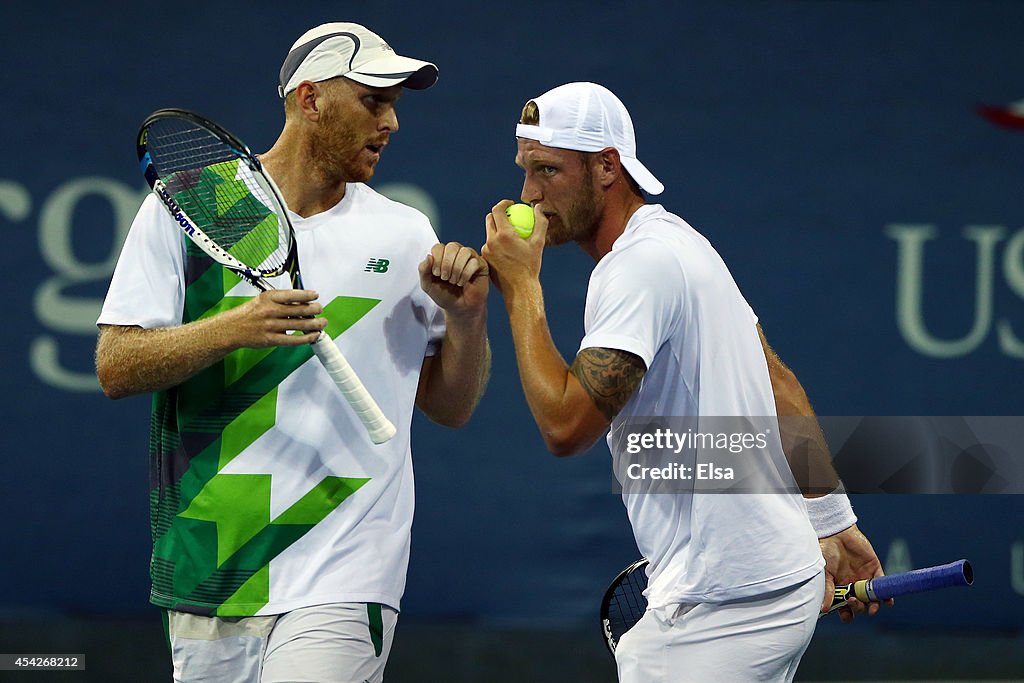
pixel 354 51
pixel 588 117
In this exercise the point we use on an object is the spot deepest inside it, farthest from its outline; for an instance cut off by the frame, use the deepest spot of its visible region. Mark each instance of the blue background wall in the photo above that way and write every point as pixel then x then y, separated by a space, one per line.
pixel 833 152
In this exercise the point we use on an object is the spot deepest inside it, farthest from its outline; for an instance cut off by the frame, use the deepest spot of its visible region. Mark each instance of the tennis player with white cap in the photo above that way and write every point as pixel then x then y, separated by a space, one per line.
pixel 736 581
pixel 355 52
pixel 281 533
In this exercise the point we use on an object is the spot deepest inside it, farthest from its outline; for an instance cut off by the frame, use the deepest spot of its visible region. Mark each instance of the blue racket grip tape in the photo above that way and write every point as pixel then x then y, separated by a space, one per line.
pixel 957 573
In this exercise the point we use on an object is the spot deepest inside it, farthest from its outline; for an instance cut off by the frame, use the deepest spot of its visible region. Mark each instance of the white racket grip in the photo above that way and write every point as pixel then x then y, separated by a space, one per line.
pixel 377 424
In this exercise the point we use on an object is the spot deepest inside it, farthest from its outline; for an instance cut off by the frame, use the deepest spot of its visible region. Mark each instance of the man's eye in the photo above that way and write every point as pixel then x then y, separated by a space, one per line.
pixel 548 170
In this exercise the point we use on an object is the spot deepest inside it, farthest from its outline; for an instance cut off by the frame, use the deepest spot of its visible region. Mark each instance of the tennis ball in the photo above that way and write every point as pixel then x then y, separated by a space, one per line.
pixel 521 218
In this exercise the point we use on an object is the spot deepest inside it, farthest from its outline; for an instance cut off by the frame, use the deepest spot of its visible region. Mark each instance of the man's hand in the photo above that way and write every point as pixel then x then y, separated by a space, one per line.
pixel 456 278
pixel 266 319
pixel 513 259
pixel 849 557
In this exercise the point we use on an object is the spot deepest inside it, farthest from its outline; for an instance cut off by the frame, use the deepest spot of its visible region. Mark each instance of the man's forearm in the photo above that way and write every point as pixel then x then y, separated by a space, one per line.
pixel 802 439
pixel 459 373
pixel 133 360
pixel 542 370
pixel 568 420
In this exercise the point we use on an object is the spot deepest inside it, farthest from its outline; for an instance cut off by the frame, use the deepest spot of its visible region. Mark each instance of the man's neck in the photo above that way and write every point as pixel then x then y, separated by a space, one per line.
pixel 616 214
pixel 306 190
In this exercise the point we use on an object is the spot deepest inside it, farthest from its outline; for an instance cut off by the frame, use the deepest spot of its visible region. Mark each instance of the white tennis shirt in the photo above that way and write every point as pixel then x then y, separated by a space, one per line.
pixel 289 504
pixel 664 294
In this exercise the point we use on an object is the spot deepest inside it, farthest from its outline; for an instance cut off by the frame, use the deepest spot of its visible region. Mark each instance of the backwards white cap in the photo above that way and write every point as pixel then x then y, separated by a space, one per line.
pixel 353 51
pixel 587 117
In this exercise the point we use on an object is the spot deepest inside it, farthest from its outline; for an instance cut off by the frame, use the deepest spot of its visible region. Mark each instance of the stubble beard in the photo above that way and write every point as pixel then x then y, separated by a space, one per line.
pixel 581 219
pixel 335 153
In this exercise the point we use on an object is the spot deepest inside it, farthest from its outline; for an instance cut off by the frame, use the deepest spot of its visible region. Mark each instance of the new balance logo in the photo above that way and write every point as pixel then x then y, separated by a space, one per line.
pixel 377 265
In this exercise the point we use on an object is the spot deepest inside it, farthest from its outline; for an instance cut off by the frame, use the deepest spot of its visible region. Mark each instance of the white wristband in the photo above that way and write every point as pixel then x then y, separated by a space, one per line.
pixel 831 513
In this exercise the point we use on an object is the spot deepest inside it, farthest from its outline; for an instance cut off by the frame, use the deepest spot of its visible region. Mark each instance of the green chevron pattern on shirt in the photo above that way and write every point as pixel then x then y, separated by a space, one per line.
pixel 212 532
pixel 224 207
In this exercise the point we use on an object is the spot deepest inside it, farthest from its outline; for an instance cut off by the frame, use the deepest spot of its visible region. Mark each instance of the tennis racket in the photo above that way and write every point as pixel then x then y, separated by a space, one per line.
pixel 624 603
pixel 216 191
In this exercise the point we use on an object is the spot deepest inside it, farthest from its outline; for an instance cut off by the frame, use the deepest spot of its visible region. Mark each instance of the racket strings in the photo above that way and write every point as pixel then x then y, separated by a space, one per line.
pixel 176 145
pixel 627 604
pixel 220 194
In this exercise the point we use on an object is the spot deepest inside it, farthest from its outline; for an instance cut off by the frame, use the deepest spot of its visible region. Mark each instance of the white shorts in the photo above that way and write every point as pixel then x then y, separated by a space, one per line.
pixel 759 639
pixel 337 643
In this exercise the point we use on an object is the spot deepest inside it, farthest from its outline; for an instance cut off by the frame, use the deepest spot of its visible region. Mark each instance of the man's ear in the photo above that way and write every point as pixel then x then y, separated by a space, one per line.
pixel 608 167
pixel 307 97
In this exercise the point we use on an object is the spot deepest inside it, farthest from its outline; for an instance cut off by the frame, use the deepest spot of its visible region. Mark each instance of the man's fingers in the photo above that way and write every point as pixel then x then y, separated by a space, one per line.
pixel 302 310
pixel 289 303
pixel 463 257
pixel 453 263
pixel 426 264
pixel 304 324
pixel 474 266
pixel 439 252
pixel 498 217
pixel 830 592
pixel 296 339
pixel 289 296
pixel 540 223
pixel 499 208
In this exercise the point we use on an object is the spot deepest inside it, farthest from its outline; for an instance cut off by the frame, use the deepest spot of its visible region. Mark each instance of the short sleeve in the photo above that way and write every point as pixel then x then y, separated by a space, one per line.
pixel 435 320
pixel 435 332
pixel 147 288
pixel 634 300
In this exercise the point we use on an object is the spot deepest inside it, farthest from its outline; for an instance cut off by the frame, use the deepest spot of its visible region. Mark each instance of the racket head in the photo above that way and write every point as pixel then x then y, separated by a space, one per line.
pixel 217 191
pixel 623 603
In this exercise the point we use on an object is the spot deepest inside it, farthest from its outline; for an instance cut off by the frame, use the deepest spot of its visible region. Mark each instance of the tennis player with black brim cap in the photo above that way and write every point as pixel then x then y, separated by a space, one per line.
pixel 281 532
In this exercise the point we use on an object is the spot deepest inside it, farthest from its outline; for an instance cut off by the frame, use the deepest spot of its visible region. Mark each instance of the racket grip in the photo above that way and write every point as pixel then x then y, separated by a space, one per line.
pixel 957 573
pixel 377 424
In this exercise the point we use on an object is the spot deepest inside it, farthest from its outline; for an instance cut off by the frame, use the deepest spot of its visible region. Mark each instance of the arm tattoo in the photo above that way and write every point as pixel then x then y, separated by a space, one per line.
pixel 609 377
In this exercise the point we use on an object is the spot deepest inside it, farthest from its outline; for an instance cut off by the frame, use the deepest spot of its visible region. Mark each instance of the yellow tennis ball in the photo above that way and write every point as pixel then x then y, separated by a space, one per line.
pixel 521 218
